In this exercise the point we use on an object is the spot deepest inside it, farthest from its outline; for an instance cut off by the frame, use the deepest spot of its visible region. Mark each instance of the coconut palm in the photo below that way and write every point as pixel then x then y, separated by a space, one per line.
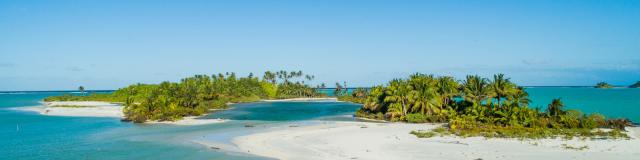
pixel 554 109
pixel 338 90
pixel 426 101
pixel 475 89
pixel 398 95
pixel 309 78
pixel 520 97
pixel 375 99
pixel 500 88
pixel 270 77
pixel 447 88
pixel 394 110
pixel 423 95
pixel 81 89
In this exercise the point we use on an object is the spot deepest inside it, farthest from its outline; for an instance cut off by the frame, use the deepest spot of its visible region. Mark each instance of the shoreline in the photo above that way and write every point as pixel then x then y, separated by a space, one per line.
pixel 366 140
pixel 82 109
pixel 115 110
pixel 103 109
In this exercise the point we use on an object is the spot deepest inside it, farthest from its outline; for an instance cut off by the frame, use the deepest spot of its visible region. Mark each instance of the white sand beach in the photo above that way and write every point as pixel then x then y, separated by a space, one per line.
pixel 363 140
pixel 83 109
pixel 103 109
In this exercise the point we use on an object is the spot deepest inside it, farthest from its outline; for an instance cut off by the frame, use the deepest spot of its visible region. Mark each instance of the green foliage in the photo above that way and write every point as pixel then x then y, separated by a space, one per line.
pixel 604 85
pixel 423 134
pixel 416 118
pixel 270 89
pixel 594 120
pixel 193 96
pixel 618 124
pixel 477 107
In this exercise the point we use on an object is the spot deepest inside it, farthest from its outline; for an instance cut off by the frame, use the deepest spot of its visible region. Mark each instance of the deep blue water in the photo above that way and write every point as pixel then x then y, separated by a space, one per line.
pixel 26 135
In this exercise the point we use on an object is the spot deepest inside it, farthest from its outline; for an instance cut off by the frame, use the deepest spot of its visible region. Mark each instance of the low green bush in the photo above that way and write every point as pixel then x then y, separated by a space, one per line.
pixel 416 118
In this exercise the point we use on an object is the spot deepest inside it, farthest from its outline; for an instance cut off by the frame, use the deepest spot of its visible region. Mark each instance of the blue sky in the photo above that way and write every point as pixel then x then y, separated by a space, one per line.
pixel 59 45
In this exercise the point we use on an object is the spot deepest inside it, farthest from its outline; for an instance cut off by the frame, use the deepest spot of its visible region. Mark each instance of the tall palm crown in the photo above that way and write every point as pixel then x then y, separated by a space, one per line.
pixel 424 95
pixel 448 87
pixel 81 89
pixel 555 107
pixel 398 93
pixel 375 99
pixel 520 97
pixel 475 89
pixel 500 88
pixel 269 76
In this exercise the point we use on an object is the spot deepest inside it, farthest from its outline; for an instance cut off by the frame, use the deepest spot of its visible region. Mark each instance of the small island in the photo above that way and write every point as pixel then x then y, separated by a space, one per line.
pixel 603 85
pixel 635 85
pixel 196 96
pixel 478 106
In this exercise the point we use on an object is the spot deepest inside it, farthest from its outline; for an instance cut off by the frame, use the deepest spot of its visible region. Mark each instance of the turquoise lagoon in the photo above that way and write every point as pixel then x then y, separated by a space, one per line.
pixel 26 135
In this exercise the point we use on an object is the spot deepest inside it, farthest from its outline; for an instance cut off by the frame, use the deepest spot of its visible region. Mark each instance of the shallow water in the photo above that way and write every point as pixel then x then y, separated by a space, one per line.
pixel 26 135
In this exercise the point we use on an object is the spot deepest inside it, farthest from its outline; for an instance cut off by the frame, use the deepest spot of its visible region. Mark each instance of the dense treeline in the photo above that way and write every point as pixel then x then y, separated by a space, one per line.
pixel 197 95
pixel 476 106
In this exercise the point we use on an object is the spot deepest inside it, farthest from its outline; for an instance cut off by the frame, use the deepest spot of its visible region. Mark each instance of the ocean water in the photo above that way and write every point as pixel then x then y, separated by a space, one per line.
pixel 613 103
pixel 27 135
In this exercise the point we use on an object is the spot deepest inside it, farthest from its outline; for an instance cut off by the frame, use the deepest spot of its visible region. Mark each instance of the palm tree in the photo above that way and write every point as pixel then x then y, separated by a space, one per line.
pixel 426 101
pixel 375 99
pixel 309 78
pixel 394 109
pixel 346 89
pixel 447 88
pixel 270 77
pixel 475 89
pixel 500 87
pixel 398 94
pixel 338 91
pixel 81 89
pixel 520 97
pixel 555 107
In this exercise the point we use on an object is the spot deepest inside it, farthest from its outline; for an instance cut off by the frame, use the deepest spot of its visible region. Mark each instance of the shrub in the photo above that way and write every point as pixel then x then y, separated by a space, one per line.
pixel 618 124
pixel 423 134
pixel 416 118
pixel 463 122
pixel 592 121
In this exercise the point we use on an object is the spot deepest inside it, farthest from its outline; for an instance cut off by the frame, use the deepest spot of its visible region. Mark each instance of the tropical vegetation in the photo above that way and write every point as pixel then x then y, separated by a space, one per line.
pixel 635 85
pixel 193 96
pixel 477 106
pixel 604 85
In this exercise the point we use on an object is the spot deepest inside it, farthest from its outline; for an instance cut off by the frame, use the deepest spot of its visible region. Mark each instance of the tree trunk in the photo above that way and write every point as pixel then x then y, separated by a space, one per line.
pixel 404 109
pixel 499 104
